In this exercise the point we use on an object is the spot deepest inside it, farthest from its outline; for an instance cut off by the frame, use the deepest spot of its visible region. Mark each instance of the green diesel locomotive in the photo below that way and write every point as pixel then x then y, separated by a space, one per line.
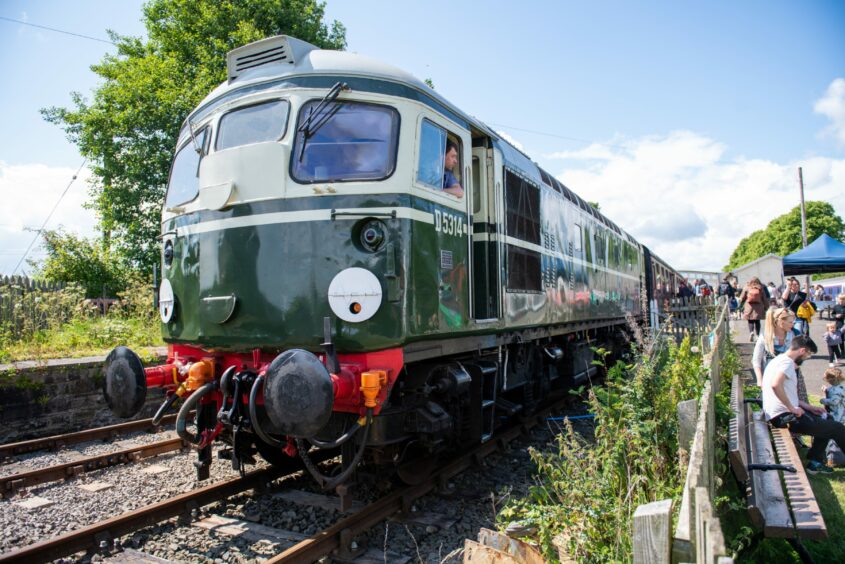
pixel 350 261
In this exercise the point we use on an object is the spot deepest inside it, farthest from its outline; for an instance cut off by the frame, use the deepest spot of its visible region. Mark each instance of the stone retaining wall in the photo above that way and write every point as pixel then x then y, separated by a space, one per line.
pixel 58 396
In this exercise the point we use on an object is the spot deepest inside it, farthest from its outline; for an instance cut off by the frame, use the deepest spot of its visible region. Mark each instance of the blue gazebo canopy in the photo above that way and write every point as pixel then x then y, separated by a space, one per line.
pixel 825 254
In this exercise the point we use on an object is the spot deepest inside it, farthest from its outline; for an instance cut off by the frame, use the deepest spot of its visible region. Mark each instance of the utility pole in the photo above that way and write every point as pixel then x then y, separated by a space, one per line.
pixel 803 221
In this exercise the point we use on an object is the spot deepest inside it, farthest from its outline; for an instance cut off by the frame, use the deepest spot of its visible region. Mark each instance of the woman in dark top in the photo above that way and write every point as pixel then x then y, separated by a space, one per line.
pixel 793 297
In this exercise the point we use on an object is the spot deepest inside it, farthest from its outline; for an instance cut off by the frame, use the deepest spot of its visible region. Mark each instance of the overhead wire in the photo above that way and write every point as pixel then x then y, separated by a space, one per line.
pixel 556 136
pixel 56 30
pixel 43 225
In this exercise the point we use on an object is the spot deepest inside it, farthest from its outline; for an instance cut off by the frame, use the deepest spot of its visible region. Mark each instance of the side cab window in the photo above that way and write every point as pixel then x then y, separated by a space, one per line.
pixel 431 164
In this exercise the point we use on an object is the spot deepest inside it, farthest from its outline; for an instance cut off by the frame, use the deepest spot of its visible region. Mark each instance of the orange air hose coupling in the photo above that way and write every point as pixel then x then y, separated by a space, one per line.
pixel 200 373
pixel 371 383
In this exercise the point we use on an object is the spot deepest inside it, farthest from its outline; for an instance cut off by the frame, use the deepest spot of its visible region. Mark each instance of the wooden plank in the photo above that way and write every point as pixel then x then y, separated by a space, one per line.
pixel 710 542
pixel 653 533
pixel 426 519
pixel 768 494
pixel 687 416
pixel 737 432
pixel 249 531
pixel 300 497
pixel 477 553
pixel 520 550
pixel 809 523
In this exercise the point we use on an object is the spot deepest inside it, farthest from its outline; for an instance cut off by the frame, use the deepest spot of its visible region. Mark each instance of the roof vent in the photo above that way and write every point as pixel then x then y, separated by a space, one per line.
pixel 280 51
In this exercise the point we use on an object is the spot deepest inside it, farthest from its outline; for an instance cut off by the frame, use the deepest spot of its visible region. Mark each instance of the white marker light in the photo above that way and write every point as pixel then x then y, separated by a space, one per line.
pixel 166 301
pixel 355 294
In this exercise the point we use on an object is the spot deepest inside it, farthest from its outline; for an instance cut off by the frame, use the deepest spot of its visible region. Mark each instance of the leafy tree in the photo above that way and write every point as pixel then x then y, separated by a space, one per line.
pixel 595 205
pixel 84 261
pixel 783 234
pixel 128 130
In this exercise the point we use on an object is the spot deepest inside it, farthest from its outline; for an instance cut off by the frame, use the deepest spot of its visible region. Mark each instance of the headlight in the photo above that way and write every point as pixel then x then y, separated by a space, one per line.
pixel 373 234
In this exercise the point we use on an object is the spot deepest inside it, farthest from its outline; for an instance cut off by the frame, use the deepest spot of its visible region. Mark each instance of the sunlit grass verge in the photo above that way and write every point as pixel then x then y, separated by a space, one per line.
pixel 84 337
pixel 68 328
pixel 586 492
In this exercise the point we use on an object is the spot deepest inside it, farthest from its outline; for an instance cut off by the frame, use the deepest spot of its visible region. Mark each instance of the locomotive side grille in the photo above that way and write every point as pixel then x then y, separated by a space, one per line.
pixel 253 60
pixel 279 51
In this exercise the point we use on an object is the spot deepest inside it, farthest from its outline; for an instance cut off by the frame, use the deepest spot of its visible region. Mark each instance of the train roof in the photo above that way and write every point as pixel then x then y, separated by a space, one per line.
pixel 276 58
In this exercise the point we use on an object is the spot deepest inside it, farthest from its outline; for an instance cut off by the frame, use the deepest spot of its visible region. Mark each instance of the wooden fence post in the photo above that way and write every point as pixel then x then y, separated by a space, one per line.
pixel 687 417
pixel 653 533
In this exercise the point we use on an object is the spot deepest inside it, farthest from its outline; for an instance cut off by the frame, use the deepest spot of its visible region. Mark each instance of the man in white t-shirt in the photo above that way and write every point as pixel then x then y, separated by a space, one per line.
pixel 783 408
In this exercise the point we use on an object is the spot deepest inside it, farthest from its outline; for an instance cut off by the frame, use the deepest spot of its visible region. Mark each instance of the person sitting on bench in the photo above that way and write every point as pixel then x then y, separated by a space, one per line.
pixel 783 409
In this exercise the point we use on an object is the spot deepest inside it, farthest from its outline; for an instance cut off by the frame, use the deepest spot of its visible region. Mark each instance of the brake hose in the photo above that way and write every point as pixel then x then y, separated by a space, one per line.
pixel 330 483
pixel 253 416
pixel 187 407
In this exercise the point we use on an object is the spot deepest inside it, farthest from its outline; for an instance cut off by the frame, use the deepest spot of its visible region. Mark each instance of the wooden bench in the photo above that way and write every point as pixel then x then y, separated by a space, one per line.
pixel 766 462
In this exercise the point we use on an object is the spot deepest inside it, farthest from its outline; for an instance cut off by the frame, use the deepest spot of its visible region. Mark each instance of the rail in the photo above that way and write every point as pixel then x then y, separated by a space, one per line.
pixel 56 442
pixel 697 536
pixel 339 536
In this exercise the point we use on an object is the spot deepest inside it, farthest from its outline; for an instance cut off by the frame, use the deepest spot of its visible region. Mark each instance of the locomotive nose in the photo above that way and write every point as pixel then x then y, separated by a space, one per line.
pixel 298 393
pixel 125 384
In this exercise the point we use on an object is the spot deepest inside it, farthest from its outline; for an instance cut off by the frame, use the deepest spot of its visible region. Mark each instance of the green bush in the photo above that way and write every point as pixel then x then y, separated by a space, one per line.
pixel 587 491
pixel 87 262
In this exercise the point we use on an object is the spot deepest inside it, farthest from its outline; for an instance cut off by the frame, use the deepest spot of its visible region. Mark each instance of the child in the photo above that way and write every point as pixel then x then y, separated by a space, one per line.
pixel 834 402
pixel 834 394
pixel 833 338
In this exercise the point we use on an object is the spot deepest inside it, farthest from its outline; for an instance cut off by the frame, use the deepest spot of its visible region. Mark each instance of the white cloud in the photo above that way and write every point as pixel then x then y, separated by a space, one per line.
pixel 680 195
pixel 28 193
pixel 832 105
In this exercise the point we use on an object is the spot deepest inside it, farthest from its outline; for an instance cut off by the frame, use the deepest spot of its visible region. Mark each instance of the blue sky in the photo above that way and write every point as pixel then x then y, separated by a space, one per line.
pixel 686 121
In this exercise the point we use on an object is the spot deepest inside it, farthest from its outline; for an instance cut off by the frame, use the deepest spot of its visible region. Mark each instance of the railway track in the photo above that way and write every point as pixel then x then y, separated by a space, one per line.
pixel 99 433
pixel 339 538
pixel 103 533
pixel 9 485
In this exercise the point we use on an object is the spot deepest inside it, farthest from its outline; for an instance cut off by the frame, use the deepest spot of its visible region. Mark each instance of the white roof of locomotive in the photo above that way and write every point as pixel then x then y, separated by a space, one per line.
pixel 281 56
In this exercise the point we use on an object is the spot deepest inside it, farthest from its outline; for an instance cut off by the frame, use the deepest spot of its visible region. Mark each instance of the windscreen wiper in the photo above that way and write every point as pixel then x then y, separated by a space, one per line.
pixel 315 120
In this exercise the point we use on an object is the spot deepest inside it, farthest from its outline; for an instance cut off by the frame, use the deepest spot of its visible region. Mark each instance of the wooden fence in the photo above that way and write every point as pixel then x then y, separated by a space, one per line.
pixel 21 310
pixel 697 536
pixel 689 316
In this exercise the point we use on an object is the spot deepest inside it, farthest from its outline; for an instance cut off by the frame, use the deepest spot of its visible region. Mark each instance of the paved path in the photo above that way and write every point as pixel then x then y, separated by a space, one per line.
pixel 814 368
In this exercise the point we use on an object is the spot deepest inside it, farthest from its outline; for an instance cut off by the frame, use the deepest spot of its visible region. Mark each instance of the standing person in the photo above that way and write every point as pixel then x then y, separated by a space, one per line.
pixel 725 289
pixel 838 311
pixel 755 301
pixel 818 293
pixel 793 297
pixel 684 290
pixel 833 339
pixel 773 293
pixel 834 403
pixel 775 339
pixel 783 408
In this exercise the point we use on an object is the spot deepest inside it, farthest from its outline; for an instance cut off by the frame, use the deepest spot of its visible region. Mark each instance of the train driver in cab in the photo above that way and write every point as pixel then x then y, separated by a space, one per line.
pixel 450 183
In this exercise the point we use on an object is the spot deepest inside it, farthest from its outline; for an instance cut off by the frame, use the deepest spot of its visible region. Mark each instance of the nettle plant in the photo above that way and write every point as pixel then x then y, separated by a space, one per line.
pixel 587 488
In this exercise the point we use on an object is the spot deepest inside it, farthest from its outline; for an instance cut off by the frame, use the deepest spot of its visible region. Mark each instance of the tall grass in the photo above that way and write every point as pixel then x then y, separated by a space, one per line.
pixel 65 325
pixel 586 491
